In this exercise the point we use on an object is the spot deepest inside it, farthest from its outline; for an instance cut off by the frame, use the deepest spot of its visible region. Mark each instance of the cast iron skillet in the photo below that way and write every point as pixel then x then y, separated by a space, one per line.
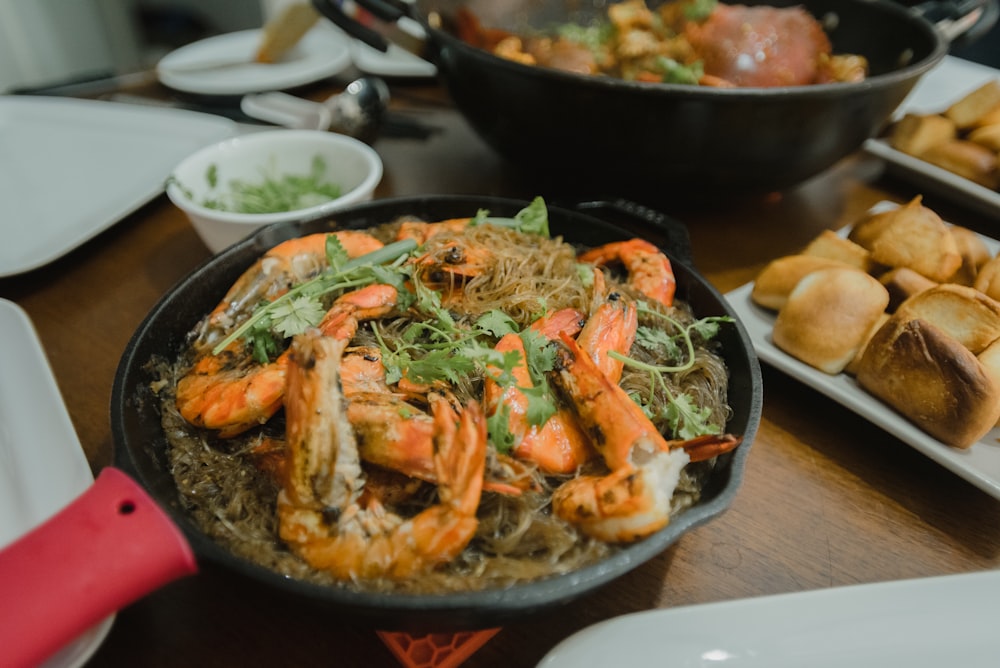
pixel 120 540
pixel 657 141
pixel 140 443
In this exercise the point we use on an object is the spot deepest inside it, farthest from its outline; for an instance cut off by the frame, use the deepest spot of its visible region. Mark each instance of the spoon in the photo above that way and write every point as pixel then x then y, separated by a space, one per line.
pixel 357 111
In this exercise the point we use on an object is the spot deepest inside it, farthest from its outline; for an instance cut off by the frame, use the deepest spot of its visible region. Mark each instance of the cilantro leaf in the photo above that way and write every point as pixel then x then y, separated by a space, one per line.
pixel 336 254
pixel 532 219
pixel 498 427
pixel 481 217
pixel 541 357
pixel 439 365
pixel 541 404
pixel 262 342
pixel 496 323
pixel 658 342
pixel 297 315
pixel 685 418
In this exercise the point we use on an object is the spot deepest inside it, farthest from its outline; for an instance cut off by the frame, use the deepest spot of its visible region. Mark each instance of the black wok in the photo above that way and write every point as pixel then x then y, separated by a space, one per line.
pixel 599 136
pixel 140 443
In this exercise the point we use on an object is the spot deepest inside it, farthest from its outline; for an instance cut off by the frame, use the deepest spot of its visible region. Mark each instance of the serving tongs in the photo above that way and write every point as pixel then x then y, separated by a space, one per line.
pixel 377 23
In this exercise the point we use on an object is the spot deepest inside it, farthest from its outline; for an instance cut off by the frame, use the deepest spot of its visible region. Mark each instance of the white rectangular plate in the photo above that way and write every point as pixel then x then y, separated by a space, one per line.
pixel 72 168
pixel 979 464
pixel 939 88
pixel 947 620
pixel 42 466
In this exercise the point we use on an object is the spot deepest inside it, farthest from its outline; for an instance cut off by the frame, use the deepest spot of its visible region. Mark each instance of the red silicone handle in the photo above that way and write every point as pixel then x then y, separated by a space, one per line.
pixel 108 548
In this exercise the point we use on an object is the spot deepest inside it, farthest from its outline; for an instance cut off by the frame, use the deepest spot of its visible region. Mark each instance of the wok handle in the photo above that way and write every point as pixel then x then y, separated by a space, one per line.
pixel 108 548
pixel 377 23
pixel 959 19
pixel 670 233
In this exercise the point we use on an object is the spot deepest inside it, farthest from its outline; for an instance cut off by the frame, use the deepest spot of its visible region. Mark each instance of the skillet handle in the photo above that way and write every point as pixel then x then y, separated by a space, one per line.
pixel 652 225
pixel 108 548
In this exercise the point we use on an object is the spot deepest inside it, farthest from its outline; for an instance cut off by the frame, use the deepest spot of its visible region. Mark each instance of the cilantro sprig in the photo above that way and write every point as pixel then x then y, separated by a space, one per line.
pixel 301 307
pixel 532 219
pixel 437 348
pixel 680 412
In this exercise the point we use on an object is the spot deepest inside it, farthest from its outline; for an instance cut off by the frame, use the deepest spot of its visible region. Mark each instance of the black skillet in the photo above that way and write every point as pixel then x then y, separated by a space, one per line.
pixel 658 142
pixel 140 446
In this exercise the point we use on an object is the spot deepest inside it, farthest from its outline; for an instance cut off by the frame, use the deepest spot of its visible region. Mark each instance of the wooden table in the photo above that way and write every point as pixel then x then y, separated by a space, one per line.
pixel 828 499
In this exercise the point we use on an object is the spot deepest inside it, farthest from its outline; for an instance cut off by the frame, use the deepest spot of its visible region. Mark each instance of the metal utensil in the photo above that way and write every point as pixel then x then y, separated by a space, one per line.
pixel 357 111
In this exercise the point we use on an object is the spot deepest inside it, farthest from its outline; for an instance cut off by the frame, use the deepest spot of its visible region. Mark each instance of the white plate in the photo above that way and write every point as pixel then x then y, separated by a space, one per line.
pixel 72 168
pixel 396 62
pixel 43 466
pixel 979 464
pixel 223 65
pixel 947 83
pixel 924 623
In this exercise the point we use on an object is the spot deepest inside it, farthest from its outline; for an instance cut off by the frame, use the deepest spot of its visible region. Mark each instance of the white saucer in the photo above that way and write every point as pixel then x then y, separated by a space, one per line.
pixel 948 620
pixel 396 62
pixel 223 65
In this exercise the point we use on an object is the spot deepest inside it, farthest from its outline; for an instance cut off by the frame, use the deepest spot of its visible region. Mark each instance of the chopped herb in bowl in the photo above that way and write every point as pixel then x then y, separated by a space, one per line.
pixel 274 193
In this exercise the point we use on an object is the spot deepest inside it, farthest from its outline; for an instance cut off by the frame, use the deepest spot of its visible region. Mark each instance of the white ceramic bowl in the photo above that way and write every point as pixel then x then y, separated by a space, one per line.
pixel 351 164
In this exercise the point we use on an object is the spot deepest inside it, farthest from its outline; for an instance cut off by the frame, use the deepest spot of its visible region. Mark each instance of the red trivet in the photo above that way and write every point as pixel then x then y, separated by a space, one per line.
pixel 435 650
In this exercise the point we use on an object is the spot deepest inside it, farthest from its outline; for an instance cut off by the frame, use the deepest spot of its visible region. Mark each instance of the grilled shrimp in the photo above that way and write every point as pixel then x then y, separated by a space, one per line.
pixel 323 515
pixel 559 445
pixel 278 270
pixel 649 270
pixel 230 392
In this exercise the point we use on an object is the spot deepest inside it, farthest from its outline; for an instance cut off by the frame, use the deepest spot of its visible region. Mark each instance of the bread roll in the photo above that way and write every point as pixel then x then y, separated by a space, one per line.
pixel 988 279
pixel 931 379
pixel 865 231
pixel 828 317
pixel 967 159
pixel 831 245
pixel 964 313
pixel 780 276
pixel 915 133
pixel 914 236
pixel 990 359
pixel 989 118
pixel 967 111
pixel 974 255
pixel 988 136
pixel 852 366
pixel 902 283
